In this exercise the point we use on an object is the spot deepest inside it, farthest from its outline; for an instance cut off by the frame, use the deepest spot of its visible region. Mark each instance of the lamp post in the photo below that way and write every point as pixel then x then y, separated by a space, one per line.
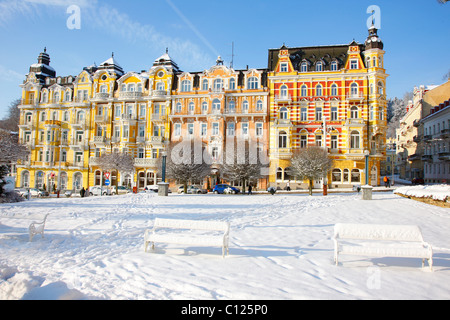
pixel 367 189
pixel 366 156
pixel 163 187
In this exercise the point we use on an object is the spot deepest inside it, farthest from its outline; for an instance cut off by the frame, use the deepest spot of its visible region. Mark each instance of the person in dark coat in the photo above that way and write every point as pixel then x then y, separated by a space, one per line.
pixel 249 189
pixel 82 192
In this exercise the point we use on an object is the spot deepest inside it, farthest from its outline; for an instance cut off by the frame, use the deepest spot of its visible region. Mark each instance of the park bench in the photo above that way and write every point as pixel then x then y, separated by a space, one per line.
pixel 381 241
pixel 35 228
pixel 189 232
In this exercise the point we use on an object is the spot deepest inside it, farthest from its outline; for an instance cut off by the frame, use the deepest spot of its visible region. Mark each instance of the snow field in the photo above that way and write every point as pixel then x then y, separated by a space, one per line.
pixel 280 248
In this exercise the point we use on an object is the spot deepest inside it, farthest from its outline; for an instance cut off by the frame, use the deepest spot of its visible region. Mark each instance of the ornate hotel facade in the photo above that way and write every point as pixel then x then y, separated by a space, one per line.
pixel 331 96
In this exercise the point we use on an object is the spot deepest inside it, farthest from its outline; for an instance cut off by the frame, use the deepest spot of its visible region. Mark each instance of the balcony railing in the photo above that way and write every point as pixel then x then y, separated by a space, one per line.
pixel 130 95
pixel 283 98
pixel 146 163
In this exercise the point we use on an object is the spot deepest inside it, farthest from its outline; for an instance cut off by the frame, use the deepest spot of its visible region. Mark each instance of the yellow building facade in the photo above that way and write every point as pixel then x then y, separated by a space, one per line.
pixel 333 97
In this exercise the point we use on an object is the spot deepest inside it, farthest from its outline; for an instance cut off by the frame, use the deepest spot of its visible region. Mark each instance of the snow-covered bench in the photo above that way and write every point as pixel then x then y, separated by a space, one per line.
pixel 35 228
pixel 381 241
pixel 189 232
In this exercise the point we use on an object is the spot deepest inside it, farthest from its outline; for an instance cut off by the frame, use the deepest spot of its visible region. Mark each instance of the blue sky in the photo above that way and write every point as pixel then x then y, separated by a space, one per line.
pixel 415 33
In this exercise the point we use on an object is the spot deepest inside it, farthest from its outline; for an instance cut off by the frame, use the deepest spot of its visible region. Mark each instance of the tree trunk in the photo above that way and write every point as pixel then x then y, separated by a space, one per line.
pixel 310 187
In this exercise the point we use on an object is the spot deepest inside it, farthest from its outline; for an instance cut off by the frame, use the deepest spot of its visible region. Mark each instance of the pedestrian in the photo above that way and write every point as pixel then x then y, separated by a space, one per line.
pixel 288 187
pixel 249 189
pixel 388 183
pixel 386 180
pixel 82 192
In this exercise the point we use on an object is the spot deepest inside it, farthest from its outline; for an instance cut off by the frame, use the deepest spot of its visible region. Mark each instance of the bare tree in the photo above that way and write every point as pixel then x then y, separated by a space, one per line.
pixel 311 164
pixel 187 161
pixel 118 162
pixel 12 120
pixel 243 161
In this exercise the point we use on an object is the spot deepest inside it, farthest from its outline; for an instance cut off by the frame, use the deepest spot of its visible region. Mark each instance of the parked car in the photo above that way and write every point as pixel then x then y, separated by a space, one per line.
pixel 34 192
pixel 418 181
pixel 220 189
pixel 192 190
pixel 98 191
pixel 120 190
pixel 152 188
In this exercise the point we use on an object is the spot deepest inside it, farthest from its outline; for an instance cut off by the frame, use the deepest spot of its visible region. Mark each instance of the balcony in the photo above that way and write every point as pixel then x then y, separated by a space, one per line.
pixel 78 123
pixel 146 163
pixel 444 156
pixel 158 117
pixel 157 140
pixel 29 102
pixel 427 138
pixel 52 124
pixel 445 133
pixel 102 119
pixel 128 118
pixel 101 96
pixel 81 101
pixel 416 139
pixel 78 145
pixel 414 157
pixel 283 98
pixel 130 96
pixel 427 158
pixel 100 141
pixel 355 96
pixel 160 95
pixel 26 125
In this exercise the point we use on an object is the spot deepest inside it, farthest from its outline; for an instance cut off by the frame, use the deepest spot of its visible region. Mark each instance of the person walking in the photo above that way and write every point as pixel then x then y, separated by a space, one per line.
pixel 82 192
pixel 386 180
pixel 288 186
pixel 249 189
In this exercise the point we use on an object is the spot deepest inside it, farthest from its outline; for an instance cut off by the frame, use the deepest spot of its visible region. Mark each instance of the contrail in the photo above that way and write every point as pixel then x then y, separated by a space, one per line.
pixel 193 28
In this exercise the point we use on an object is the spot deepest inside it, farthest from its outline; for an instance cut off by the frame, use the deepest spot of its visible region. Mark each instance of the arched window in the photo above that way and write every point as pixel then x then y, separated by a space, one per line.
pixel 231 106
pixel 380 88
pixel 178 108
pixel 282 140
pixel 185 86
pixel 319 90
pixel 287 174
pixel 304 67
pixel 161 86
pixel 245 107
pixel 44 97
pixel 204 107
pixel 259 106
pixel 346 175
pixel 131 87
pixel 191 107
pixel 374 62
pixel 103 88
pixel 368 62
pixel 25 179
pixel 319 66
pixel 279 174
pixel 80 116
pixel 334 89
pixel 123 88
pixel 43 116
pixel 336 175
pixel 56 97
pixel 304 91
pixel 216 105
pixel 218 84
pixel 334 66
pixel 284 91
pixel 232 85
pixel 283 113
pixel 356 176
pixel 354 89
pixel 354 140
pixel 253 83
pixel 205 85
pixel 139 87
pixel 354 112
pixel 68 96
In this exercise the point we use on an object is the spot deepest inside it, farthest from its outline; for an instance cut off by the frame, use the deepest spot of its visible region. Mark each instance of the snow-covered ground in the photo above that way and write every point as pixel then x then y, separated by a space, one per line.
pixel 281 248
pixel 435 192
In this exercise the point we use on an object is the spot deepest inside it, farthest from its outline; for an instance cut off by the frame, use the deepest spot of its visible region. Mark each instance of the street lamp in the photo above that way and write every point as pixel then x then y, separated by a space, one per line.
pixel 163 187
pixel 366 156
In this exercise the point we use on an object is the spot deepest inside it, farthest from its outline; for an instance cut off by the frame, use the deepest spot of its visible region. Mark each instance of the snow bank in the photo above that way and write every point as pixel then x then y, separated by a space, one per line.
pixel 435 192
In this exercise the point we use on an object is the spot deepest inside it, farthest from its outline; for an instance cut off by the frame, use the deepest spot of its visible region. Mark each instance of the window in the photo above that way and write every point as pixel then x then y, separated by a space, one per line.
pixel 177 129
pixel 354 64
pixel 380 88
pixel 318 113
pixel 160 86
pixel 131 87
pixel 231 129
pixel 245 107
pixel 117 111
pixel 190 129
pixel 215 153
pixel 259 106
pixel 304 91
pixel 178 108
pixel 303 141
pixel 354 89
pixel 334 142
pixel 334 66
pixel 215 129
pixel 259 129
pixel 253 83
pixel 283 113
pixel 334 90
pixel 126 132
pixel 204 129
pixel 282 140
pixel 244 128
pixel 141 131
pixel 354 112
pixel 354 140
pixel 318 140
pixel 356 176
pixel 334 113
pixel 232 84
pixel 185 86
pixel 218 84
pixel 191 108
pixel 284 67
pixel 68 96
pixel 284 91
pixel 204 107
pixel 139 87
pixel 103 88
pixel 304 114
pixel 216 106
pixel 141 153
pixel 319 66
pixel 368 62
pixel 336 175
pixel 319 90
pixel 371 113
pixel 142 110
pixel 304 67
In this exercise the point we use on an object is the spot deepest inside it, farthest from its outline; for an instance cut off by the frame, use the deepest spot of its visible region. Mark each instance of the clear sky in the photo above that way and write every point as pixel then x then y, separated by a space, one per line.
pixel 415 33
